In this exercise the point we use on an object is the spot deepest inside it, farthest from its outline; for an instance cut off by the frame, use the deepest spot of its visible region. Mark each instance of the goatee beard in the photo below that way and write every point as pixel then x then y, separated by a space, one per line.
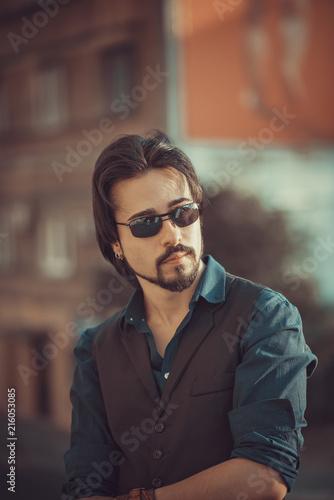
pixel 183 280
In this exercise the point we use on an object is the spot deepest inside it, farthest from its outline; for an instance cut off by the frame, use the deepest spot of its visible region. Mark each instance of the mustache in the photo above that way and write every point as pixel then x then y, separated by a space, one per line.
pixel 171 250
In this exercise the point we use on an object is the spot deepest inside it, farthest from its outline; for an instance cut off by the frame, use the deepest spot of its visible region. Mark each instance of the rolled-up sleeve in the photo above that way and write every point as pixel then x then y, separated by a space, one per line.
pixel 269 398
pixel 93 458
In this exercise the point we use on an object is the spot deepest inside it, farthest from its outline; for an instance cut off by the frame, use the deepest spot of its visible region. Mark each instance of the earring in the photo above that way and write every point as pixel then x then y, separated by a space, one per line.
pixel 119 256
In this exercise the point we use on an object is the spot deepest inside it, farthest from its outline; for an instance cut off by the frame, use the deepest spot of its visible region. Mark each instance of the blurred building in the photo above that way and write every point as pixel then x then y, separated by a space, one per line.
pixel 74 74
pixel 251 103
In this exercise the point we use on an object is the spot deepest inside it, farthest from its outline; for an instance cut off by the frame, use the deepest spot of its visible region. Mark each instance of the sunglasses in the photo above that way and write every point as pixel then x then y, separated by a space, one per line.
pixel 144 227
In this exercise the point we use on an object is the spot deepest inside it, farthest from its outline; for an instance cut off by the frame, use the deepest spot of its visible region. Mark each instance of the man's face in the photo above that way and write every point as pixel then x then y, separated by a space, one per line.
pixel 171 259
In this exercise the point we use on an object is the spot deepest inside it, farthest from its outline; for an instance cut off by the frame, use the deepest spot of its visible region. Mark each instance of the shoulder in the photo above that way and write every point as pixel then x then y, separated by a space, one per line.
pixel 245 296
pixel 91 336
pixel 268 311
pixel 267 301
pixel 274 320
pixel 275 306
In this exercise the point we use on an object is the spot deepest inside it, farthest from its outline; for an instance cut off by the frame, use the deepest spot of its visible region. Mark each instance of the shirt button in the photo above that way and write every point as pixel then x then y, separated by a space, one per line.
pixel 157 454
pixel 166 375
pixel 159 426
pixel 157 482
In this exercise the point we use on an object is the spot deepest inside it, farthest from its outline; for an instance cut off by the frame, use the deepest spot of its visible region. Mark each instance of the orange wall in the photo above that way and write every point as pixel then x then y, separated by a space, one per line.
pixel 229 90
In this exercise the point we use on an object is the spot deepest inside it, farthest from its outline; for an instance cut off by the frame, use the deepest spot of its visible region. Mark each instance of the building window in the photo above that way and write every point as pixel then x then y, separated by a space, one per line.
pixel 14 222
pixel 49 103
pixel 56 247
pixel 3 108
pixel 118 72
pixel 7 248
pixel 42 382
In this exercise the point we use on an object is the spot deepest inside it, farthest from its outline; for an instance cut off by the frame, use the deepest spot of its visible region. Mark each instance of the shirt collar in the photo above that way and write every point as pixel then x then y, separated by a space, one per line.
pixel 212 283
pixel 211 287
pixel 134 312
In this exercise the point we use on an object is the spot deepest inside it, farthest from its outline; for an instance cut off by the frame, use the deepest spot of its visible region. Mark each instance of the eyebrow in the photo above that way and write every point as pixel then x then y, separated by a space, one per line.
pixel 152 211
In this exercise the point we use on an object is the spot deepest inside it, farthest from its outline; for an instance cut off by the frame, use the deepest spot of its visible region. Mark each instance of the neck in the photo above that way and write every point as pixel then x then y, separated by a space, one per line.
pixel 164 306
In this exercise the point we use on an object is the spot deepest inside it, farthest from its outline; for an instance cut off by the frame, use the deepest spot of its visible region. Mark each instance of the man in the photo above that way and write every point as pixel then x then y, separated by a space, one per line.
pixel 196 389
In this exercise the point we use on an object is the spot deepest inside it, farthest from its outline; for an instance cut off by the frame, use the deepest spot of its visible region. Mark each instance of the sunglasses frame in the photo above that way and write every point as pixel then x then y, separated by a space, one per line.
pixel 168 215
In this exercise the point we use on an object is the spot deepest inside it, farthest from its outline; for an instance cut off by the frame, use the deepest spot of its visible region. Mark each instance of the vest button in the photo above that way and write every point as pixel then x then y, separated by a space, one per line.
pixel 159 426
pixel 157 482
pixel 157 454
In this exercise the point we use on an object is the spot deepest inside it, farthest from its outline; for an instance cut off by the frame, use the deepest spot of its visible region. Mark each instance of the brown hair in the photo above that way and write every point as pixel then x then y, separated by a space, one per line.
pixel 126 157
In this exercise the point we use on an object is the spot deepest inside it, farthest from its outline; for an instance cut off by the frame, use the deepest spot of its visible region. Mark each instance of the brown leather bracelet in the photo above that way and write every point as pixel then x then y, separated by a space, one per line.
pixel 147 494
pixel 139 494
pixel 136 493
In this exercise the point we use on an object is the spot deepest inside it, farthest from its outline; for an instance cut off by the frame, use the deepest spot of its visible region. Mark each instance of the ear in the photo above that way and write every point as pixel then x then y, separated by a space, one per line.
pixel 116 246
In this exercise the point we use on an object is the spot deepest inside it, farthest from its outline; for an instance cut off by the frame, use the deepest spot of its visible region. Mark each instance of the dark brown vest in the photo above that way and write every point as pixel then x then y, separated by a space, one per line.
pixel 166 438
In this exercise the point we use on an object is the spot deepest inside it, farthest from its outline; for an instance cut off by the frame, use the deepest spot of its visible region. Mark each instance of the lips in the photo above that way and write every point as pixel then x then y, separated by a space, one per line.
pixel 176 257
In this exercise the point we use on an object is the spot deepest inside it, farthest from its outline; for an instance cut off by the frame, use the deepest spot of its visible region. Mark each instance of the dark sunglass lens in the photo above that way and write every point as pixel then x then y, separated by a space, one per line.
pixel 145 227
pixel 186 216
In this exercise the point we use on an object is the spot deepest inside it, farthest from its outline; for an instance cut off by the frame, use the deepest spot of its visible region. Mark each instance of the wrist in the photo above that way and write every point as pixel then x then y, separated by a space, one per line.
pixel 138 494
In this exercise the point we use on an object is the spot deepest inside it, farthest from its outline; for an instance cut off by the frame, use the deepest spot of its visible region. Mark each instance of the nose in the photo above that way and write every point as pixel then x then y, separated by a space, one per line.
pixel 170 233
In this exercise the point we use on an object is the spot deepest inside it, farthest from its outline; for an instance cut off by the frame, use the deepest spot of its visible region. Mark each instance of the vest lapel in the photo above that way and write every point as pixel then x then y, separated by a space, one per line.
pixel 137 348
pixel 203 322
pixel 191 340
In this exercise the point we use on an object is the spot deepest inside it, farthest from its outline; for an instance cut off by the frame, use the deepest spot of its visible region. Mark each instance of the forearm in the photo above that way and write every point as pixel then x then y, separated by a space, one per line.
pixel 98 498
pixel 236 479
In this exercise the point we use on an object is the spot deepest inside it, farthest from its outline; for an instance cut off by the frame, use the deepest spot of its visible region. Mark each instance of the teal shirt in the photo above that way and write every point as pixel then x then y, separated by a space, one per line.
pixel 275 361
pixel 211 287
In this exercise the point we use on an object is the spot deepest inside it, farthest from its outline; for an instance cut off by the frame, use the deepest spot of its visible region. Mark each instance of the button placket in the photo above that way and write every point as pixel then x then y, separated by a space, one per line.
pixel 157 454
pixel 157 482
pixel 159 427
